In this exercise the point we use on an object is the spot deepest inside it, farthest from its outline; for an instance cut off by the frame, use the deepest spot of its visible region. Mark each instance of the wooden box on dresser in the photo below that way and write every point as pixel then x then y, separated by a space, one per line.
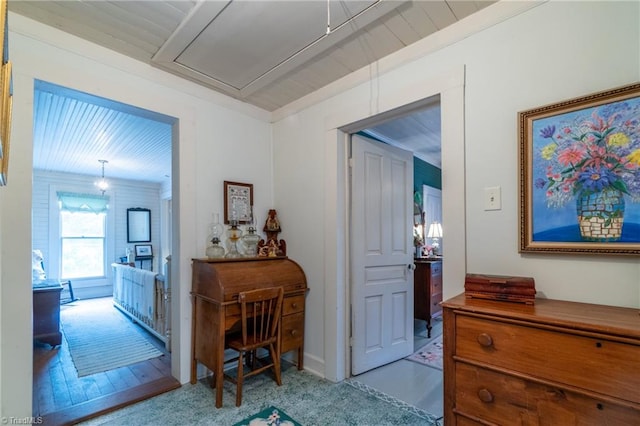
pixel 427 290
pixel 551 363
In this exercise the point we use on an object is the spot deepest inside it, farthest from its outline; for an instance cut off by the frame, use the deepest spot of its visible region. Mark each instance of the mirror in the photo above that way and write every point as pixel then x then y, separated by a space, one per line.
pixel 138 225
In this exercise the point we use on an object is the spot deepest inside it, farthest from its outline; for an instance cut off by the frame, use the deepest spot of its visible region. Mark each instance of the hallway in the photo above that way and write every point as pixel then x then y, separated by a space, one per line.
pixel 415 384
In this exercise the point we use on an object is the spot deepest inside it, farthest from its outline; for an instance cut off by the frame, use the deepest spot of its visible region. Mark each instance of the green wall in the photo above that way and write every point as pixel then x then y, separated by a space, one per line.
pixel 425 174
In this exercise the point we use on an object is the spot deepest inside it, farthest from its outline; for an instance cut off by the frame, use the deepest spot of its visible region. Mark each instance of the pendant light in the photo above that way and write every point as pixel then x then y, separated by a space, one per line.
pixel 102 184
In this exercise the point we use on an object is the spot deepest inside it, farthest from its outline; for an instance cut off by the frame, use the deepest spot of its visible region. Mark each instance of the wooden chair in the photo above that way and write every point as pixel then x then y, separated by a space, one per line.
pixel 260 314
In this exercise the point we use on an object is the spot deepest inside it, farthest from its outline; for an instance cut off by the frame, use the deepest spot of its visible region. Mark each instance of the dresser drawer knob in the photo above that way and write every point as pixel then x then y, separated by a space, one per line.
pixel 294 332
pixel 485 340
pixel 294 305
pixel 485 395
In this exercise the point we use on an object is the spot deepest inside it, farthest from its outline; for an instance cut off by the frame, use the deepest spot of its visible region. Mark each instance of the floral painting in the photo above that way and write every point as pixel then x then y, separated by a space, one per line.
pixel 580 174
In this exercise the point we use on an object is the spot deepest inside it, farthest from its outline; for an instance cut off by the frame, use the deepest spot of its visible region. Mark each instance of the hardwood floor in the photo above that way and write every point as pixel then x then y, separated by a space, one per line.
pixel 61 397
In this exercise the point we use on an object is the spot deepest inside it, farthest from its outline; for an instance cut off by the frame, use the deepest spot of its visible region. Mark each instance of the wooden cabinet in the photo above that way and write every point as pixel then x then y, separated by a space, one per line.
pixel 46 313
pixel 216 311
pixel 427 290
pixel 552 363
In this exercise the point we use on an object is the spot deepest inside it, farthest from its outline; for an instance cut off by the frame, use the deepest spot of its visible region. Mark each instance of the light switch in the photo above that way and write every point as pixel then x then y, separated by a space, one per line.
pixel 492 198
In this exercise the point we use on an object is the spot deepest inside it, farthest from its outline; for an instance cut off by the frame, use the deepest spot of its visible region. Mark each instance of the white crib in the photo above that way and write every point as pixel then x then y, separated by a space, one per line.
pixel 145 297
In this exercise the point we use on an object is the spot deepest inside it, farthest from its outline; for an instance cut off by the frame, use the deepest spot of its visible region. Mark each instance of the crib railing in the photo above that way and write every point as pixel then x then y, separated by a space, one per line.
pixel 145 297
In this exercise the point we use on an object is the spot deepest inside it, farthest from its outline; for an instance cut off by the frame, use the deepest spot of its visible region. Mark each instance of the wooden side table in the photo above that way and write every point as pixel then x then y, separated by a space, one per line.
pixel 46 313
pixel 427 290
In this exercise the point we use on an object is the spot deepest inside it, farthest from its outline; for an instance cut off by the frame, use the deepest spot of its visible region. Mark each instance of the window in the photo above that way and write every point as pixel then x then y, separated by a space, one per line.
pixel 82 235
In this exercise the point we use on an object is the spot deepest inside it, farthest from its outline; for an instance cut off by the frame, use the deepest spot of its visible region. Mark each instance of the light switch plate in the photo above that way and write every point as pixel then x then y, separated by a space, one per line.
pixel 492 198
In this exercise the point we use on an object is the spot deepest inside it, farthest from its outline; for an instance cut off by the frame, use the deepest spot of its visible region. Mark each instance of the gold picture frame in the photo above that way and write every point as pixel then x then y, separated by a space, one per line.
pixel 6 94
pixel 579 177
pixel 238 202
pixel 6 109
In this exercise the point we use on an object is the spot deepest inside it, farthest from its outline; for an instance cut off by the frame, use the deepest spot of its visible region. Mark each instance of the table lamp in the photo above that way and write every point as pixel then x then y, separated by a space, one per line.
pixel 435 232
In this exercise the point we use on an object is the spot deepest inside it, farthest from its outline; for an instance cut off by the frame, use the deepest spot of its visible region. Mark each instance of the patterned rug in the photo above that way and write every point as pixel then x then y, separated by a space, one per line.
pixel 270 416
pixel 430 354
pixel 308 399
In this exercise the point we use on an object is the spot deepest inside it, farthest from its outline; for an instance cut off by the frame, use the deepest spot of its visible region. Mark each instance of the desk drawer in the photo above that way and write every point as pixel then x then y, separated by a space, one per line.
pixel 508 400
pixel 292 332
pixel 586 362
pixel 292 305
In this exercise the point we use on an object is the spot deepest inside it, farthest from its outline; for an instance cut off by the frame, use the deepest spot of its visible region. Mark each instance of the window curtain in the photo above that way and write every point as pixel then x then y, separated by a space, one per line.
pixel 73 202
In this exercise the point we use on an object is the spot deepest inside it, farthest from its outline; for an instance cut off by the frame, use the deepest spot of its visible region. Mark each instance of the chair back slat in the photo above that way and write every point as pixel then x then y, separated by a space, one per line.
pixel 260 311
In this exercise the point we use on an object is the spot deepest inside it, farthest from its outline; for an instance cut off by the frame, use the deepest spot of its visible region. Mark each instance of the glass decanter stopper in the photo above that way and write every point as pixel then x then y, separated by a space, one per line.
pixel 214 249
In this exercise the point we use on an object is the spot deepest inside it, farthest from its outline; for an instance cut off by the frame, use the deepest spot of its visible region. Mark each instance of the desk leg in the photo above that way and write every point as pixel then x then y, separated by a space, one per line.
pixel 300 358
pixel 194 361
pixel 219 385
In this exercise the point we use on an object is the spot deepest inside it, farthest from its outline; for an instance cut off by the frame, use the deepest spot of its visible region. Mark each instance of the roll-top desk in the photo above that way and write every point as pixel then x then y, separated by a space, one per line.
pixel 551 363
pixel 215 287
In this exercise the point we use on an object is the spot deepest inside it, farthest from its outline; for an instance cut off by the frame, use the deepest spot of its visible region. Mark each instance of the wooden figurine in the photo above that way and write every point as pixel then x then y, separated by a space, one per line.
pixel 272 247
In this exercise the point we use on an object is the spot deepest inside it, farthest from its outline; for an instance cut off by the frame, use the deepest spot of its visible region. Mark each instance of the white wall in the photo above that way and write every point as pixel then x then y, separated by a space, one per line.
pixel 555 51
pixel 123 194
pixel 217 139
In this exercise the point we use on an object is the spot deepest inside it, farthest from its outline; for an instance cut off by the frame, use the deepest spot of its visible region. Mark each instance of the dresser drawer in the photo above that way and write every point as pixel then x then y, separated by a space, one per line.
pixel 292 305
pixel 508 400
pixel 435 304
pixel 436 269
pixel 292 332
pixel 585 362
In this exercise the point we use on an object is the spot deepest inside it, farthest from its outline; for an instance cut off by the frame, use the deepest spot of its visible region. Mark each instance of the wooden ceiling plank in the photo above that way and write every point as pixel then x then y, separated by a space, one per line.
pixel 72 17
pixel 400 28
pixel 419 20
pixel 439 13
pixel 461 9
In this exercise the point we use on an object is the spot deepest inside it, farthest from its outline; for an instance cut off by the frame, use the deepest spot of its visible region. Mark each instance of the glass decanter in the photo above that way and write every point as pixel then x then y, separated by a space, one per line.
pixel 214 249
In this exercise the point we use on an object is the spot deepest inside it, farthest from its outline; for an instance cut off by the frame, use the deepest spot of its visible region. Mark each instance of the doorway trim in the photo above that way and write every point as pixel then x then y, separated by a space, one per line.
pixel 338 126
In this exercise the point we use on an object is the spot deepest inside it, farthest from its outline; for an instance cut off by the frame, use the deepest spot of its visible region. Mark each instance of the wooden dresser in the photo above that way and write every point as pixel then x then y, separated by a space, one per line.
pixel 427 290
pixel 215 287
pixel 552 363
pixel 46 312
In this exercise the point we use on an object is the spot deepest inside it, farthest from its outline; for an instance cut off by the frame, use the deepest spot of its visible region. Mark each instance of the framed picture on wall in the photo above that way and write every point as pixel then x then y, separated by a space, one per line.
pixel 138 225
pixel 144 250
pixel 580 175
pixel 238 200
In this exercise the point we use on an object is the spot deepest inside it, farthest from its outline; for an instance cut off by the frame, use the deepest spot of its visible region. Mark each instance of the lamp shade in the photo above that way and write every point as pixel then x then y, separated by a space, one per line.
pixel 435 230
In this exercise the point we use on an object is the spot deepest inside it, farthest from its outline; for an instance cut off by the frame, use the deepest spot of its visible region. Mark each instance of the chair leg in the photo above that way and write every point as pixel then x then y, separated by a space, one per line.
pixel 239 379
pixel 275 358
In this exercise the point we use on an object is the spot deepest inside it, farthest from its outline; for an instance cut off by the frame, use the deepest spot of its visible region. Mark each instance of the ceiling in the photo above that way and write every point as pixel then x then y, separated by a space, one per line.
pixel 265 53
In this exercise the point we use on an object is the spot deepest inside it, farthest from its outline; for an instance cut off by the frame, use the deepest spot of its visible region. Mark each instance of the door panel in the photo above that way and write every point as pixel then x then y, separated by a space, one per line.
pixel 381 254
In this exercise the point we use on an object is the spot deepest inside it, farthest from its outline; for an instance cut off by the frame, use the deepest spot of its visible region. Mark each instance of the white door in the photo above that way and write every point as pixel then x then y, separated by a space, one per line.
pixel 432 199
pixel 381 249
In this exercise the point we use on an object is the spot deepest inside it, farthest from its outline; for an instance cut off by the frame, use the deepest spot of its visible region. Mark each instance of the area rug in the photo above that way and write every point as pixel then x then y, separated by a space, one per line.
pixel 430 354
pixel 101 338
pixel 270 416
pixel 305 397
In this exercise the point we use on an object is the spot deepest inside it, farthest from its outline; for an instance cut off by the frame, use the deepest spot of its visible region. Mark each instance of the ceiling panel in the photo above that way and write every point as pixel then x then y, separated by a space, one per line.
pixel 73 130
pixel 266 53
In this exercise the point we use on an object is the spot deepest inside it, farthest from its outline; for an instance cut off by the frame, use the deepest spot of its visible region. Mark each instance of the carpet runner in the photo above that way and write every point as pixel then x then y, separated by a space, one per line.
pixel 101 338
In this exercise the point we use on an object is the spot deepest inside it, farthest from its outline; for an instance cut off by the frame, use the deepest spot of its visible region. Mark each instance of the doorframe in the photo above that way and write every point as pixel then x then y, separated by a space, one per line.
pixel 338 126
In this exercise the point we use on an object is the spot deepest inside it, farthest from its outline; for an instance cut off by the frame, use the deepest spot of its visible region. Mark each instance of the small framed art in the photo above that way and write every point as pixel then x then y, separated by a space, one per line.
pixel 238 200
